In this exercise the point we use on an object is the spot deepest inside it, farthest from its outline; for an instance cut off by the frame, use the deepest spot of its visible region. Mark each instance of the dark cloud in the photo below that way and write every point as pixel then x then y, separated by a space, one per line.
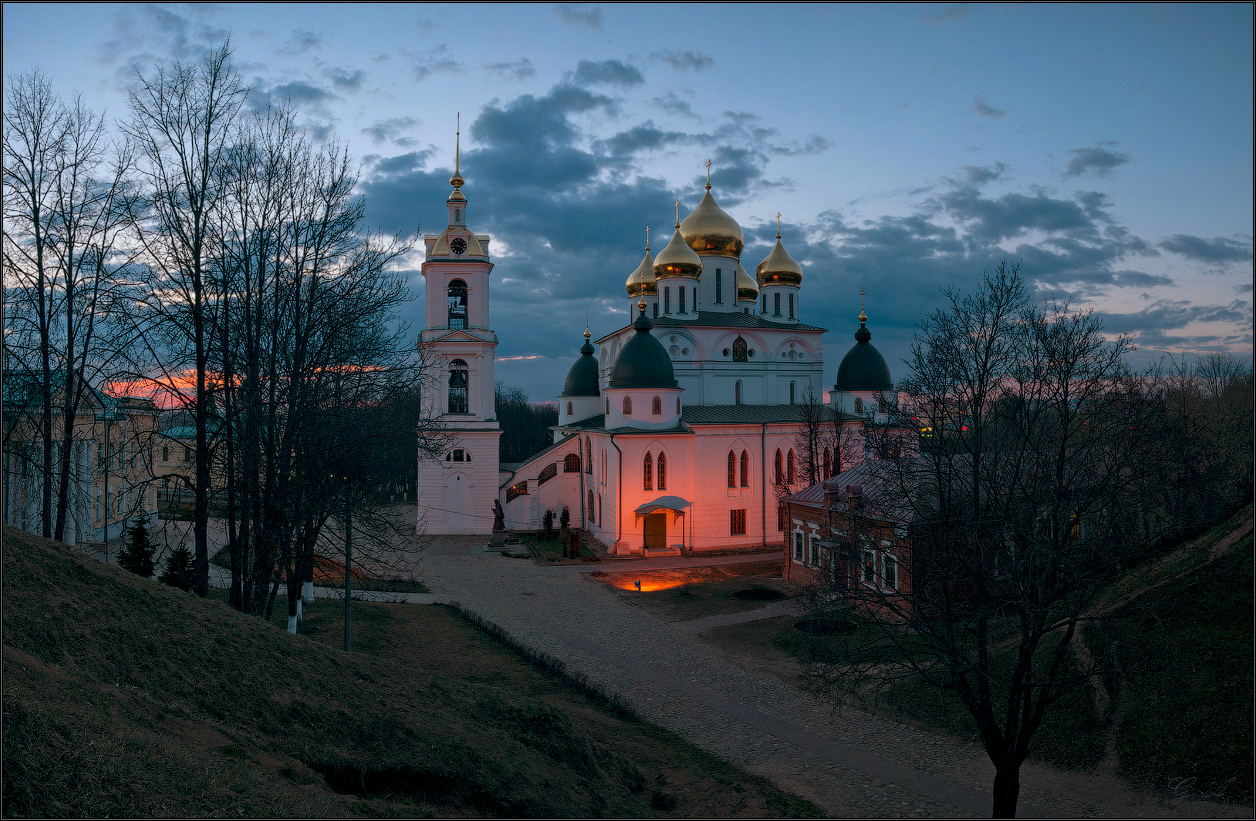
pixel 437 60
pixel 644 137
pixel 567 211
pixel 188 37
pixel 346 80
pixel 301 42
pixel 673 104
pixel 681 60
pixel 391 130
pixel 298 93
pixel 520 69
pixel 985 109
pixel 607 72
pixel 584 14
pixel 946 14
pixel 1215 250
pixel 1096 160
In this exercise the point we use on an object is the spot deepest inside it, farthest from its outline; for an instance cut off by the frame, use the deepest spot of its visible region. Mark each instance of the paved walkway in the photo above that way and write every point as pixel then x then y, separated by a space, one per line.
pixel 849 764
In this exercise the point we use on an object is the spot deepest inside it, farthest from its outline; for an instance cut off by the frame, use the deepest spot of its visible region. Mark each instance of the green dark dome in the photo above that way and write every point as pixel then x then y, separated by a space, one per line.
pixel 643 363
pixel 863 368
pixel 582 378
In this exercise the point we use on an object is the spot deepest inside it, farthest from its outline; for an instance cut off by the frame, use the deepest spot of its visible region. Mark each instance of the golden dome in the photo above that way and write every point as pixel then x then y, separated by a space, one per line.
pixel 779 268
pixel 456 196
pixel 747 288
pixel 710 231
pixel 641 281
pixel 677 260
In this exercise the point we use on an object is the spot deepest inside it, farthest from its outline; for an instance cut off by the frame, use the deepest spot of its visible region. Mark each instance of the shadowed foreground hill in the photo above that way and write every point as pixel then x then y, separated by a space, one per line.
pixel 125 697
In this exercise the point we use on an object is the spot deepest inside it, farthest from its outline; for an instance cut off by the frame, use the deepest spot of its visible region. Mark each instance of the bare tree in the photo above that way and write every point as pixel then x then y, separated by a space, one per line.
pixel 1022 506
pixel 181 127
pixel 64 206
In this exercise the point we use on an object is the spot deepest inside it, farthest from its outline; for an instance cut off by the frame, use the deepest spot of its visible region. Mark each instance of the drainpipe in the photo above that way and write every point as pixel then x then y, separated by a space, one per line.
pixel 619 505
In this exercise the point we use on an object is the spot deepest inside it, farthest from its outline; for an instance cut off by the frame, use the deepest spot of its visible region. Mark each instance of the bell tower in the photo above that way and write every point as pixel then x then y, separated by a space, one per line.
pixel 457 488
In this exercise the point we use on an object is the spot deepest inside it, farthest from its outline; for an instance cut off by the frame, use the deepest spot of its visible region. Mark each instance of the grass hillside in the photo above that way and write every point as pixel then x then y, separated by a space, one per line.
pixel 123 697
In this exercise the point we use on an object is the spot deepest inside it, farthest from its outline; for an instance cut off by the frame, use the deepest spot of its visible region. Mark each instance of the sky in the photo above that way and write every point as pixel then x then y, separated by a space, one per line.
pixel 1105 148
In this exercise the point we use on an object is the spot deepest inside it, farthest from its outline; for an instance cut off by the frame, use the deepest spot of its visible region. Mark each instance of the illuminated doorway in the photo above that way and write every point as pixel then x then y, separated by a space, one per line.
pixel 656 531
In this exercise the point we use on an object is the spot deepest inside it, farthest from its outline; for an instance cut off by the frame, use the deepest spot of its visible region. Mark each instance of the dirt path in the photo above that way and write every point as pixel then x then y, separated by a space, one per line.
pixel 850 763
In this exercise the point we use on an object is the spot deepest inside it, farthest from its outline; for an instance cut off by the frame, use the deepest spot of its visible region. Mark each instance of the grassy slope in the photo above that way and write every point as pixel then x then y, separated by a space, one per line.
pixel 125 697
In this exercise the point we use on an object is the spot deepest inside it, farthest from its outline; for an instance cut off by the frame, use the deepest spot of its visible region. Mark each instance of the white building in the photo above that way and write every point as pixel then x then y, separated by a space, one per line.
pixel 681 433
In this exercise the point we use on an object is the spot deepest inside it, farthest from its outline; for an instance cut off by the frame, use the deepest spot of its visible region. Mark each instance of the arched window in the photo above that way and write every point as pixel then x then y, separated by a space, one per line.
pixel 739 349
pixel 677 404
pixel 571 463
pixel 588 457
pixel 662 472
pixel 737 392
pixel 165 453
pixel 569 409
pixel 656 406
pixel 732 470
pixel 828 460
pixel 456 296
pixel 780 473
pixel 745 469
pixel 647 473
pixel 457 215
pixel 459 400
pixel 608 405
pixel 592 520
pixel 858 405
pixel 791 393
pixel 627 406
pixel 789 467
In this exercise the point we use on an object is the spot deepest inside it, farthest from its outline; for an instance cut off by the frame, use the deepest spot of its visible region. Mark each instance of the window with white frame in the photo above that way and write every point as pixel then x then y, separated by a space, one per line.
pixel 798 546
pixel 869 561
pixel 815 550
pixel 889 570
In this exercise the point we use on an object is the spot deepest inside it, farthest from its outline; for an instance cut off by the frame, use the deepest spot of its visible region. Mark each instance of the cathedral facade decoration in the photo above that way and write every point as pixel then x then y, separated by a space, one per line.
pixel 677 433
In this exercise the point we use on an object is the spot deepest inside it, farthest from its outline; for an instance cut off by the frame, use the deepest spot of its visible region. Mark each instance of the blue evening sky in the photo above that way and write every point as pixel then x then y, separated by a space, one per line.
pixel 908 147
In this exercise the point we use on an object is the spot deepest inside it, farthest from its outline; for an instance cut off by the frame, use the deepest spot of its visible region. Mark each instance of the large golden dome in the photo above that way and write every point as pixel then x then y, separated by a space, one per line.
pixel 779 268
pixel 747 288
pixel 641 281
pixel 677 260
pixel 709 231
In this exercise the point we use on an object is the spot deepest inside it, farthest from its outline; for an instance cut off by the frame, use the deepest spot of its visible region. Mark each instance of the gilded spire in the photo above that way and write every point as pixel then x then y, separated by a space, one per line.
pixel 586 327
pixel 456 180
pixel 863 317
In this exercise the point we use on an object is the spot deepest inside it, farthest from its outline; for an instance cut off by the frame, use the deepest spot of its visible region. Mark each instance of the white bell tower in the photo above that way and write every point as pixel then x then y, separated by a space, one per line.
pixel 456 489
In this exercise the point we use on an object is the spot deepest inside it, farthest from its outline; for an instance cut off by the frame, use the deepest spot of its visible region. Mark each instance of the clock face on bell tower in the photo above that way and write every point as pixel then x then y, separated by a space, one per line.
pixel 458 245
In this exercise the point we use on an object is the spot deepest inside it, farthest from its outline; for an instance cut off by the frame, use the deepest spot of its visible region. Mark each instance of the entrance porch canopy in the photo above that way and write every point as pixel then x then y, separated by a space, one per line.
pixel 675 504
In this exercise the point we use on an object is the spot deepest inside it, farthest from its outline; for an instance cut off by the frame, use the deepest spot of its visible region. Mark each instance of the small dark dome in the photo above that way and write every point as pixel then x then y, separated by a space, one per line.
pixel 582 378
pixel 643 363
pixel 863 367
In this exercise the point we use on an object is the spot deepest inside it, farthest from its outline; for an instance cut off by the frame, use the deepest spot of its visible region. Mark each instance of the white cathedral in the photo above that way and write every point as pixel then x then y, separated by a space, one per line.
pixel 679 435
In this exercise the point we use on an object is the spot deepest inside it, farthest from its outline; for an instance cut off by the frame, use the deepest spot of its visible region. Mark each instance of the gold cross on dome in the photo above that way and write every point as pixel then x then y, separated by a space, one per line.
pixel 708 168
pixel 677 213
pixel 778 224
pixel 647 238
pixel 861 296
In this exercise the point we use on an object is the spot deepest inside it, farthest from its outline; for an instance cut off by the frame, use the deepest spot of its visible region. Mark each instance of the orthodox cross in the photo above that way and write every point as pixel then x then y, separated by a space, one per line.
pixel 647 238
pixel 677 213
pixel 778 224
pixel 708 168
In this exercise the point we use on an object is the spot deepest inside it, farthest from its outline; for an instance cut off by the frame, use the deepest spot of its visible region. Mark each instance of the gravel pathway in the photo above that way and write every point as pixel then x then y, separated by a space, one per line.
pixel 849 763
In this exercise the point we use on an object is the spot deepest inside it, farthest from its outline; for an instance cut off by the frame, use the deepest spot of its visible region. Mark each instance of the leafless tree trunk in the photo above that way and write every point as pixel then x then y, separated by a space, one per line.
pixel 1021 505
pixel 182 119
pixel 64 210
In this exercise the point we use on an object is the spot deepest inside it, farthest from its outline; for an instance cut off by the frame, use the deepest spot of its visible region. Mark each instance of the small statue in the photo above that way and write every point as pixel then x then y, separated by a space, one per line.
pixel 499 515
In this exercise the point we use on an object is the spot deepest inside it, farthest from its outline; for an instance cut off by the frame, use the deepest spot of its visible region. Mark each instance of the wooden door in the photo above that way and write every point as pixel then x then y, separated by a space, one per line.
pixel 656 531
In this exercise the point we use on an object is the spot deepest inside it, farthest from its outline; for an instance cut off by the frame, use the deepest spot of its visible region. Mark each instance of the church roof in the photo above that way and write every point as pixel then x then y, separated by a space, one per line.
pixel 731 319
pixel 441 247
pixel 582 378
pixel 643 363
pixel 863 367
